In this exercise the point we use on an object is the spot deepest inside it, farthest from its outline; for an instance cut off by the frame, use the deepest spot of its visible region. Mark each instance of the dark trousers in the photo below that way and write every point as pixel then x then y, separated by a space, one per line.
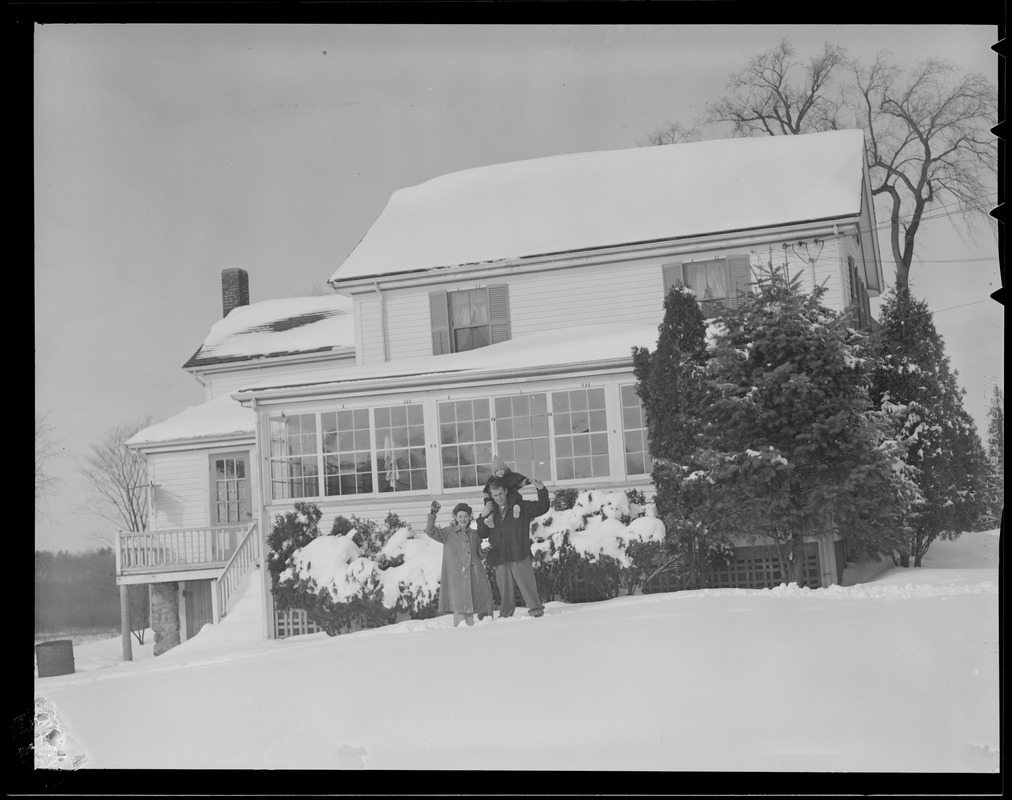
pixel 522 574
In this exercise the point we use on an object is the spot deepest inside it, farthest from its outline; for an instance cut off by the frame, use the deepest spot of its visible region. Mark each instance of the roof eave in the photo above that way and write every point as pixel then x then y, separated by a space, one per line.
pixel 427 380
pixel 208 441
pixel 624 252
pixel 230 363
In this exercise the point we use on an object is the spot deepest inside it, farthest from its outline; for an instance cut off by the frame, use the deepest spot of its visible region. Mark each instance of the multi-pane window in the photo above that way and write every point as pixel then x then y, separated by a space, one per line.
pixel 634 432
pixel 469 319
pixel 465 442
pixel 294 457
pixel 581 434
pixel 521 430
pixel 400 448
pixel 231 490
pixel 347 451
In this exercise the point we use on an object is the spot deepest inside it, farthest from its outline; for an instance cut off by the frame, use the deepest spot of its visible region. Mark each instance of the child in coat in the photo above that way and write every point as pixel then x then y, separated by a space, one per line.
pixel 512 481
pixel 464 589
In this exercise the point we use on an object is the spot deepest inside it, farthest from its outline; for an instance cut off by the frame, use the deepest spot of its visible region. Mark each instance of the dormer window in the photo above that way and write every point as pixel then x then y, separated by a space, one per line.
pixel 469 318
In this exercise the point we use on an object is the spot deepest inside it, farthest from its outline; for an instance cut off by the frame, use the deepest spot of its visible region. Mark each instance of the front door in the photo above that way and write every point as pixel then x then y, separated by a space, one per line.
pixel 230 489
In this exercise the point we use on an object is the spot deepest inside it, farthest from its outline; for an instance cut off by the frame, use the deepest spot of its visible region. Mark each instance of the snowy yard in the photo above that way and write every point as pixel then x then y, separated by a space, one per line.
pixel 895 674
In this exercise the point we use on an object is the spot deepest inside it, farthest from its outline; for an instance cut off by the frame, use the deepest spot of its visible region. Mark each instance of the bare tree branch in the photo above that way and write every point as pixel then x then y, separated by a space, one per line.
pixel 931 143
pixel 118 479
pixel 927 129
pixel 45 451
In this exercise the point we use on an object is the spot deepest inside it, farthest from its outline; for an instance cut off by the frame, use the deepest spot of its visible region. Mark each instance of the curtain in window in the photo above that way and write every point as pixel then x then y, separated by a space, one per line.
pixel 468 309
pixel 708 280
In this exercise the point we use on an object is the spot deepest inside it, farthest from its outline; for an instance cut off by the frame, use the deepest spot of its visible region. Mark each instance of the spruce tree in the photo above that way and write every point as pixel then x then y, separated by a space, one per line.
pixel 770 434
pixel 913 377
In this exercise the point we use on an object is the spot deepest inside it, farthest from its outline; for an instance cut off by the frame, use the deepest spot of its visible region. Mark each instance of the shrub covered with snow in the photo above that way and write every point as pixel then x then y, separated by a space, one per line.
pixel 363 573
pixel 360 575
pixel 612 541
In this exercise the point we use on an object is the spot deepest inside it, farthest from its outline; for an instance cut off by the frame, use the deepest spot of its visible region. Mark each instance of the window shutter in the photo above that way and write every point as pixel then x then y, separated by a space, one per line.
pixel 439 319
pixel 499 313
pixel 739 279
pixel 855 296
pixel 865 308
pixel 672 274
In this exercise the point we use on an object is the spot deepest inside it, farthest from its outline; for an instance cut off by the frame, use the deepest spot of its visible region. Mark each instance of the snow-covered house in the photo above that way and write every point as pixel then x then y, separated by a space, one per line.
pixel 494 311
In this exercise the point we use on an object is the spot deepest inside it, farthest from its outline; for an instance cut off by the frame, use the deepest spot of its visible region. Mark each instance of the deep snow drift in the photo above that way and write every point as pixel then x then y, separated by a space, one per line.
pixel 895 674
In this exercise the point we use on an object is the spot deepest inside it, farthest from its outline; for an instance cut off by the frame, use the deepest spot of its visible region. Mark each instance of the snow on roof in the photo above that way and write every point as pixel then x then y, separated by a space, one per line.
pixel 580 345
pixel 604 199
pixel 278 327
pixel 584 344
pixel 219 418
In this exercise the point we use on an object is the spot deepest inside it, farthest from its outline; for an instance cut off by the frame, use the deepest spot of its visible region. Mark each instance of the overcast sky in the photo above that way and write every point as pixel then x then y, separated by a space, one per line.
pixel 167 153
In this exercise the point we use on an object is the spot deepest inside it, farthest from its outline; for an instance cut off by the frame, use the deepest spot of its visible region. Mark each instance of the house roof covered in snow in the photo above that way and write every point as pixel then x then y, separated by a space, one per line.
pixel 273 328
pixel 585 201
pixel 220 418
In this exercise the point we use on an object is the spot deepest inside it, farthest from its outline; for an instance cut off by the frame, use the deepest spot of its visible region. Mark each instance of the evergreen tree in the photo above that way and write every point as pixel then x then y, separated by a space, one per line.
pixel 913 377
pixel 667 380
pixel 776 434
pixel 995 492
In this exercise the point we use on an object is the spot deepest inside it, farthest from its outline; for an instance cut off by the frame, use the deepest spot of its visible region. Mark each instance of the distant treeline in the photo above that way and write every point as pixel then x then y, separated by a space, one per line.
pixel 76 591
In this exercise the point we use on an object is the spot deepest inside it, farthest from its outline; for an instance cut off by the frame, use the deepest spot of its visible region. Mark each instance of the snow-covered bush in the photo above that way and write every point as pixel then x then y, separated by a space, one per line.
pixel 290 532
pixel 410 570
pixel 609 540
pixel 360 575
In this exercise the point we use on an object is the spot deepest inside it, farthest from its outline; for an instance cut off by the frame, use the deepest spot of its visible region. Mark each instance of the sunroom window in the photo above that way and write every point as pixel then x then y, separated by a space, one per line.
pixel 347 451
pixel 465 442
pixel 400 448
pixel 634 433
pixel 294 457
pixel 581 434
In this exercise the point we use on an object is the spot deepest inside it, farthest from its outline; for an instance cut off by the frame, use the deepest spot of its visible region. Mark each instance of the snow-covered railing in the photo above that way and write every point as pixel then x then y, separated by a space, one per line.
pixel 246 555
pixel 178 548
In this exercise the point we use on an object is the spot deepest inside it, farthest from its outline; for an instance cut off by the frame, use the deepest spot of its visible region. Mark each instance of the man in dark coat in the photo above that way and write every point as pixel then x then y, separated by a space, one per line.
pixel 509 533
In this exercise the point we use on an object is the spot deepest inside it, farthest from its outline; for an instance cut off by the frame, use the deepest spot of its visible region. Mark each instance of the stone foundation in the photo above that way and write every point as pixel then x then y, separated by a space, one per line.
pixel 165 616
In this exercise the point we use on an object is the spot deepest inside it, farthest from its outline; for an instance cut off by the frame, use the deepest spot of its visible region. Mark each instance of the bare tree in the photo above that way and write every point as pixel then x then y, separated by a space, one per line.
pixel 927 129
pixel 674 133
pixel 118 478
pixel 778 94
pixel 929 141
pixel 45 449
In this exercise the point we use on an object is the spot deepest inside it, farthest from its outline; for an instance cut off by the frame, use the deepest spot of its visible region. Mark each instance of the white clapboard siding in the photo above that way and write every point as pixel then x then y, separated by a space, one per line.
pixel 541 302
pixel 538 302
pixel 181 489
pixel 368 328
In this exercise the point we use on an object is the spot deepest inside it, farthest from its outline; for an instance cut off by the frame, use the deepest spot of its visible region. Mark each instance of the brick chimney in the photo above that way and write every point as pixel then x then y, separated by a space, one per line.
pixel 234 289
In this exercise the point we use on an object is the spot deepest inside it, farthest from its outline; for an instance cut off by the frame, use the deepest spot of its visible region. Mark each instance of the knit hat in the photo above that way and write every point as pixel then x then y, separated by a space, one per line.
pixel 499 464
pixel 461 507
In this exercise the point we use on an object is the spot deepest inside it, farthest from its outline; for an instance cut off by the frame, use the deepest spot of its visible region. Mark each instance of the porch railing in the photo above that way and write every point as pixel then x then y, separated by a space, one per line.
pixel 246 555
pixel 179 548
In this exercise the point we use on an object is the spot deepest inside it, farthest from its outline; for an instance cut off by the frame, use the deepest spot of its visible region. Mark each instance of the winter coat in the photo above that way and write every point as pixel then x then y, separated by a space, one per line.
pixel 510 537
pixel 463 585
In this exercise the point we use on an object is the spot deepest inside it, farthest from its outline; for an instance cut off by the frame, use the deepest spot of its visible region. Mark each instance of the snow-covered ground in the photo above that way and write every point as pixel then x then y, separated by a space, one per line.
pixel 896 673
